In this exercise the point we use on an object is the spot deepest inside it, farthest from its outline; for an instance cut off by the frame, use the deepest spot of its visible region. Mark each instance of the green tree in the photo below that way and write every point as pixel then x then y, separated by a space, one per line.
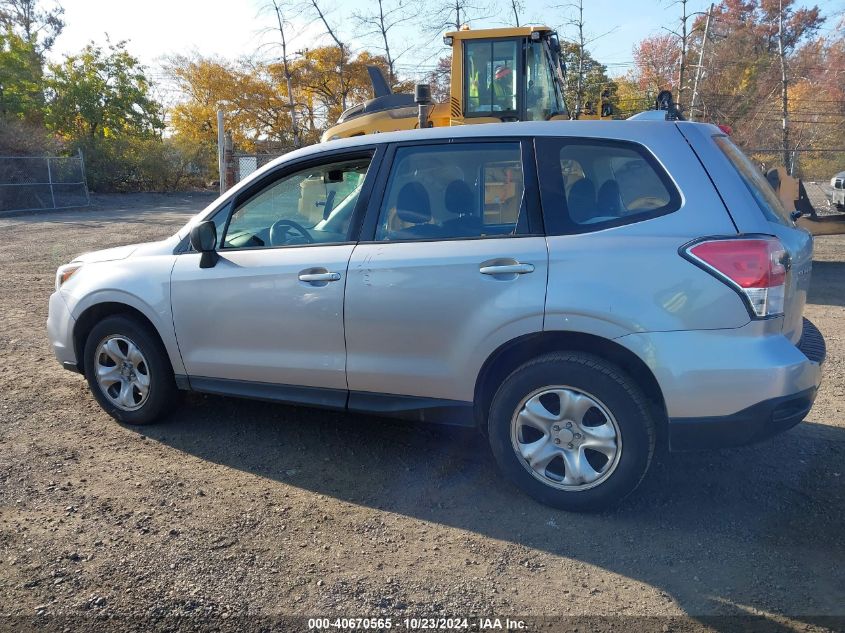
pixel 595 80
pixel 100 94
pixel 32 22
pixel 21 90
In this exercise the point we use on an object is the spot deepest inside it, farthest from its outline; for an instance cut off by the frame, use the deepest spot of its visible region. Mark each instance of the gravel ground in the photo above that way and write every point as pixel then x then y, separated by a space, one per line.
pixel 234 508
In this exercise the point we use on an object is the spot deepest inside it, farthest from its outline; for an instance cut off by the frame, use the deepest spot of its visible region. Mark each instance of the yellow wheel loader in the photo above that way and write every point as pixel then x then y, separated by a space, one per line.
pixel 507 74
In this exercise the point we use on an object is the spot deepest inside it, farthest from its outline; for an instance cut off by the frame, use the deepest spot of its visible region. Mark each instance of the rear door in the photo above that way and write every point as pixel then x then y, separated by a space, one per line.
pixel 755 208
pixel 452 264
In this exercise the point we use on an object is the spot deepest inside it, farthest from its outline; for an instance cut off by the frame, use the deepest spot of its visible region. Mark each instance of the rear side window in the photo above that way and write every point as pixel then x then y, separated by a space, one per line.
pixel 594 184
pixel 455 191
pixel 760 188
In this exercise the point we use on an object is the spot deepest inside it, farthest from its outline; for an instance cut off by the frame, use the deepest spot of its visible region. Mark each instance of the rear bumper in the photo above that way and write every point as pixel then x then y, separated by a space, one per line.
pixel 756 422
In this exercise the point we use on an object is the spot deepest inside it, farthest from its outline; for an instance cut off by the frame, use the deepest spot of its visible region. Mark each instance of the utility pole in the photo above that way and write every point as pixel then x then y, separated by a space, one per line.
pixel 221 141
pixel 683 60
pixel 579 80
pixel 698 70
pixel 784 94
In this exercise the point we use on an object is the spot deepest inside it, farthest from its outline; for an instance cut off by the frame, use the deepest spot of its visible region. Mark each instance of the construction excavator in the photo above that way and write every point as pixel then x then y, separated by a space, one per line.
pixel 505 74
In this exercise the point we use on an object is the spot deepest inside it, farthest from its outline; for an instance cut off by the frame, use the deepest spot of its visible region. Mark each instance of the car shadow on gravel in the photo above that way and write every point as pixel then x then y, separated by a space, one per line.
pixel 723 533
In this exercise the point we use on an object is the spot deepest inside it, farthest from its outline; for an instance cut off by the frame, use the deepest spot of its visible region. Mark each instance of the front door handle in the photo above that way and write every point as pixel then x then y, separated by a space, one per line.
pixel 507 269
pixel 318 277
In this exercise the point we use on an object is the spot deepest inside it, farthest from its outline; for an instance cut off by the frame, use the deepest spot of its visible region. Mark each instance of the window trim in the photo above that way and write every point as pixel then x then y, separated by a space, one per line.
pixel 230 205
pixel 531 194
pixel 518 113
pixel 552 188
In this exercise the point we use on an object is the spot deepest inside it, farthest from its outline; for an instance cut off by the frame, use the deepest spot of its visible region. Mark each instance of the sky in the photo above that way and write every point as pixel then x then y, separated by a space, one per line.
pixel 157 28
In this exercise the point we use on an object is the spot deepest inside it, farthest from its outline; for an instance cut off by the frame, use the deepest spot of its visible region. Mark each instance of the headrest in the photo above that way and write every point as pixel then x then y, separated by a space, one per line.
pixel 413 204
pixel 582 200
pixel 608 200
pixel 459 198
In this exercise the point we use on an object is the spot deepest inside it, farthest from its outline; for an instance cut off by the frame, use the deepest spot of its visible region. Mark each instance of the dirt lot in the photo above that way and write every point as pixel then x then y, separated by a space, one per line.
pixel 236 508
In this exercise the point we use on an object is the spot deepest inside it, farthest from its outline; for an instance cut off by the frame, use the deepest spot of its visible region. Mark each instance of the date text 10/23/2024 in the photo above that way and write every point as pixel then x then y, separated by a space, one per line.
pixel 417 624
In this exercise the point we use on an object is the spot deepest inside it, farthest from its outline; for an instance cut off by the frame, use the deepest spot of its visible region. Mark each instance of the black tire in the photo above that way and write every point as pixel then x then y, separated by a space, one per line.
pixel 614 389
pixel 162 388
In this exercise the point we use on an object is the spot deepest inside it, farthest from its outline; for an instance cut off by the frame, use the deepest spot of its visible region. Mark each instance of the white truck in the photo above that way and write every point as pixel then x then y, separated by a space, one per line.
pixel 837 196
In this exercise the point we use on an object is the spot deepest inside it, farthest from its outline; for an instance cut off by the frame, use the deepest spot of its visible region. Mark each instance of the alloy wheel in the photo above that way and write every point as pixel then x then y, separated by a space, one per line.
pixel 566 438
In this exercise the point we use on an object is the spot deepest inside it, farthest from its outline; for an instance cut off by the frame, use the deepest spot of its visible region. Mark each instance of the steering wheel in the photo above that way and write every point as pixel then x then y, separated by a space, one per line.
pixel 280 231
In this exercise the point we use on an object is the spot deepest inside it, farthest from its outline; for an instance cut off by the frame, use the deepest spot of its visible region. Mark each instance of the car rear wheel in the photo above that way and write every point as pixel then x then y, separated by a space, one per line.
pixel 128 370
pixel 572 430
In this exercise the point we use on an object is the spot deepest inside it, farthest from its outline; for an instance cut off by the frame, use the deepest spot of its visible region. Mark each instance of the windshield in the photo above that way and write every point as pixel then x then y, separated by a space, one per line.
pixel 542 94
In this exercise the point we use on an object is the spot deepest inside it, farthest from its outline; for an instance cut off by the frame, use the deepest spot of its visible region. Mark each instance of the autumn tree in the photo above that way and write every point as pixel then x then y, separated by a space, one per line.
pixel 764 71
pixel 326 92
pixel 656 63
pixel 630 96
pixel 254 102
pixel 440 80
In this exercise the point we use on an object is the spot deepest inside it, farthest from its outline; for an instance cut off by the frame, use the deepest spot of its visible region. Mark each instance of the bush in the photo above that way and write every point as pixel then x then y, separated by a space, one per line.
pixel 18 138
pixel 123 164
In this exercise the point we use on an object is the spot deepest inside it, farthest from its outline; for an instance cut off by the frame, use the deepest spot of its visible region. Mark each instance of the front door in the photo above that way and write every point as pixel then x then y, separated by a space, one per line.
pixel 270 312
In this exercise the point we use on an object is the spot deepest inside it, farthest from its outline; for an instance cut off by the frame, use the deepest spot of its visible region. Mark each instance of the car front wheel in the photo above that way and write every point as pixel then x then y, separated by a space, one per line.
pixel 128 370
pixel 572 430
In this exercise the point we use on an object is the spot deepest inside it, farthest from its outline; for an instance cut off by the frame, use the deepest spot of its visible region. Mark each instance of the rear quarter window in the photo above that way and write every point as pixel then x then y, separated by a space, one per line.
pixel 761 190
pixel 593 184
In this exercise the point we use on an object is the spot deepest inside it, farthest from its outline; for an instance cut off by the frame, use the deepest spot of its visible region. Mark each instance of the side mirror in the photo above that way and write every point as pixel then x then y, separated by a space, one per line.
pixel 204 241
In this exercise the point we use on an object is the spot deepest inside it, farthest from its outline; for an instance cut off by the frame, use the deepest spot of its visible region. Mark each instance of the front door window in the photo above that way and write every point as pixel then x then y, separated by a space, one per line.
pixel 314 205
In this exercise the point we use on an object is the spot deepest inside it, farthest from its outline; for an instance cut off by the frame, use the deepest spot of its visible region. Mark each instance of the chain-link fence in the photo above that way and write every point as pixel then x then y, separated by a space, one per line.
pixel 38 183
pixel 245 164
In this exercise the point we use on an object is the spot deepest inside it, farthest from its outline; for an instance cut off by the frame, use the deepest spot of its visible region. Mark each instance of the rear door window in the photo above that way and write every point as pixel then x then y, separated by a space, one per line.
pixel 592 184
pixel 763 193
pixel 454 191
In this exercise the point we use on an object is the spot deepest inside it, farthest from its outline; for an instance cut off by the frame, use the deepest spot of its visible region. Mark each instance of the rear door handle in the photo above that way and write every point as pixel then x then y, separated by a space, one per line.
pixel 507 269
pixel 318 277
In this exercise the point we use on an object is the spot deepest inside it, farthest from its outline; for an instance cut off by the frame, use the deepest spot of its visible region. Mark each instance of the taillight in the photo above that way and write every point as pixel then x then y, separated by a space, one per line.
pixel 754 266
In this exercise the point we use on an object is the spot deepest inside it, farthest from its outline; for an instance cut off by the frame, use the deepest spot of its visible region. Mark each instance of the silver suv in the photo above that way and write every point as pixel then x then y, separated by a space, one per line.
pixel 581 293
